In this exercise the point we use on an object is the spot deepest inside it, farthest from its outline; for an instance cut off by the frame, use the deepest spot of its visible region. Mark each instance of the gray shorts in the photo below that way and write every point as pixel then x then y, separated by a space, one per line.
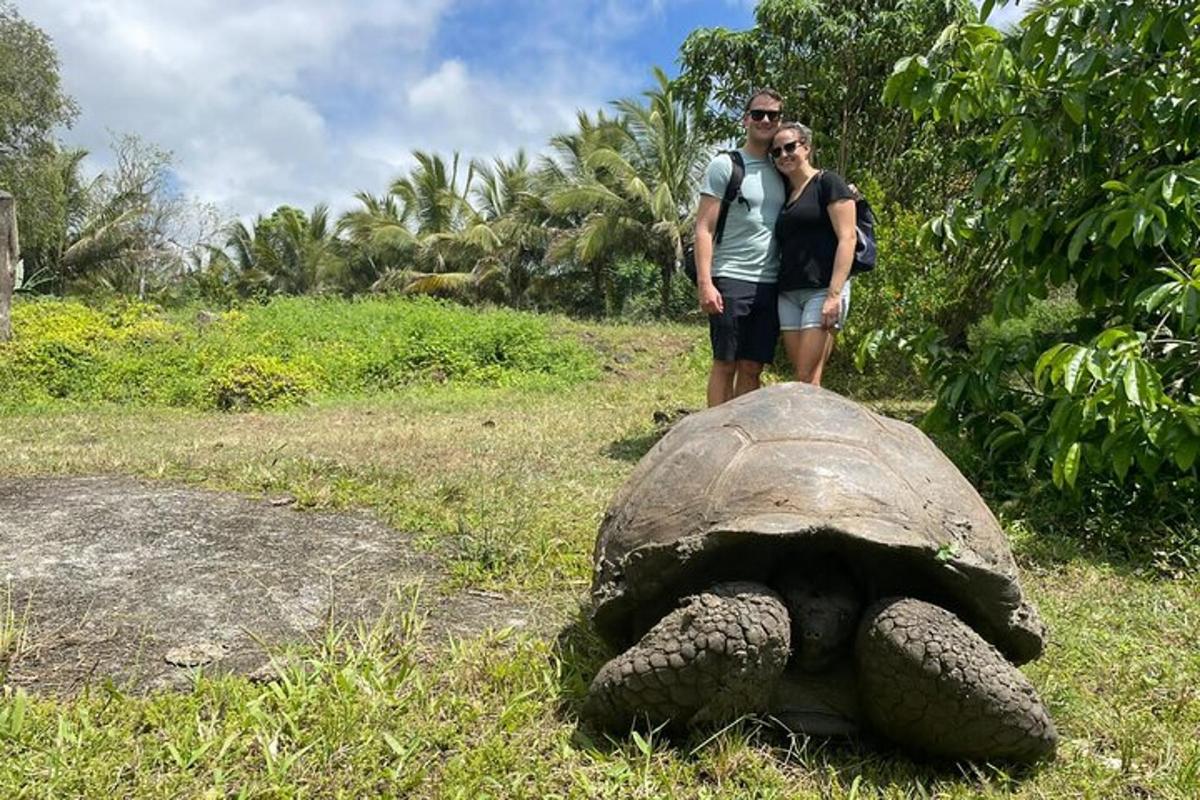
pixel 801 308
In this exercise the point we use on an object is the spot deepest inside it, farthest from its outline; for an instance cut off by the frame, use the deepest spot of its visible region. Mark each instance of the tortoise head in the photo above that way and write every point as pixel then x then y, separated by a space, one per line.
pixel 825 605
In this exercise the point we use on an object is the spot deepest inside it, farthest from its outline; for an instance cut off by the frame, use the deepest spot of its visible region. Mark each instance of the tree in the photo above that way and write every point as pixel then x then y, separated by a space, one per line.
pixel 9 253
pixel 379 240
pixel 634 186
pixel 666 150
pixel 288 252
pixel 512 230
pixel 1087 183
pixel 437 206
pixel 830 60
pixel 32 103
pixel 579 191
pixel 32 168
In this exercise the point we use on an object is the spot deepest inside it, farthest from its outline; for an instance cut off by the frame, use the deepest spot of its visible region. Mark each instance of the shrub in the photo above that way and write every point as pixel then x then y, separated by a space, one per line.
pixel 269 355
pixel 257 382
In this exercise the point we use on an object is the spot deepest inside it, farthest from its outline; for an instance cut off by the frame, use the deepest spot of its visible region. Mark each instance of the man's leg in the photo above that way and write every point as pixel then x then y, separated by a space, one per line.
pixel 748 377
pixel 720 382
pixel 758 334
pixel 725 334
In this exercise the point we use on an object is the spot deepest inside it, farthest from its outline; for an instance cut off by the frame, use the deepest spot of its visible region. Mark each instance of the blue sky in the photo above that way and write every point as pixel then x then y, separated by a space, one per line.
pixel 264 102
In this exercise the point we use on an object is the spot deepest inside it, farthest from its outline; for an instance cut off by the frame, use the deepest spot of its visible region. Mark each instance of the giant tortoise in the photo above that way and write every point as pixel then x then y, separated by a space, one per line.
pixel 792 554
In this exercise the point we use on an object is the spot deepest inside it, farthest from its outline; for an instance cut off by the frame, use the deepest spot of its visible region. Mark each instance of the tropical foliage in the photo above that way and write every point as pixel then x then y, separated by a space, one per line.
pixel 1085 200
pixel 633 185
pixel 830 59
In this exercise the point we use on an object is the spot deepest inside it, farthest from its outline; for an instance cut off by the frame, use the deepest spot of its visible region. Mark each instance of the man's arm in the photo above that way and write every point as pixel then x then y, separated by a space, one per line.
pixel 706 227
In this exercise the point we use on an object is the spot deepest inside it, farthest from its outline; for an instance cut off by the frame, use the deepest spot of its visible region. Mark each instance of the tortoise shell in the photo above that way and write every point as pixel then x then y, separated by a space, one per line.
pixel 783 474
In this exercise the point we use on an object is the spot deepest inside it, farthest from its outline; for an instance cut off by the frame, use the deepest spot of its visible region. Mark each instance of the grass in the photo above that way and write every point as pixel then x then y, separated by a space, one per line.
pixel 507 484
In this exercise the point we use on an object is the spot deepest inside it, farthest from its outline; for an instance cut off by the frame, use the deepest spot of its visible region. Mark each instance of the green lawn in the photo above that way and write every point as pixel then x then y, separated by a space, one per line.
pixel 507 483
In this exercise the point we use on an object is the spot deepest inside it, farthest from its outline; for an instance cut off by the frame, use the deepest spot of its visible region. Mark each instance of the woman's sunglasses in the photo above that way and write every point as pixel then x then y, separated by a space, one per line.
pixel 759 114
pixel 788 148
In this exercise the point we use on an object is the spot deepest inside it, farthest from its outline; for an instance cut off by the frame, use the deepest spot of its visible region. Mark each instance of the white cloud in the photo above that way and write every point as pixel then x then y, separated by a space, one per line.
pixel 445 86
pixel 266 102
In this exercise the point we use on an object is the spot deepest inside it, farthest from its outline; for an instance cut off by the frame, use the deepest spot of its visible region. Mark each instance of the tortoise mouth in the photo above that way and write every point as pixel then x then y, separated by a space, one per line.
pixel 629 598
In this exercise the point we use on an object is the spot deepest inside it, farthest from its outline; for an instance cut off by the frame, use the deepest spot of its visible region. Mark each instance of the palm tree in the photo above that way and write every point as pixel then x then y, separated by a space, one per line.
pixel 665 150
pixel 440 216
pixel 380 242
pixel 288 252
pixel 575 190
pixel 632 186
pixel 511 228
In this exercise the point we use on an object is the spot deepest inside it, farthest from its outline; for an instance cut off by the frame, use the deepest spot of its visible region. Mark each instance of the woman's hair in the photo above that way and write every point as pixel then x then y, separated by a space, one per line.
pixel 803 132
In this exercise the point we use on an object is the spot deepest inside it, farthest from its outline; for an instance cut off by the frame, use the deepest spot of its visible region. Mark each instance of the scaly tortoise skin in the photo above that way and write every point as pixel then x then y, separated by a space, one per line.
pixel 794 554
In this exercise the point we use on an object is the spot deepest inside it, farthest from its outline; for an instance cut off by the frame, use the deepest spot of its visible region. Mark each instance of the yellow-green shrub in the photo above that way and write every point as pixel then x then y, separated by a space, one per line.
pixel 257 382
pixel 273 354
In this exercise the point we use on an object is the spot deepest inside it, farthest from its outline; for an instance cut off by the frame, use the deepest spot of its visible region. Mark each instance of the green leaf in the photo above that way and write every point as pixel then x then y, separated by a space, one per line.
pixel 1074 368
pixel 985 9
pixel 1072 103
pixel 1115 186
pixel 1112 337
pixel 1155 296
pixel 1082 64
pixel 954 394
pixel 1014 420
pixel 1143 388
pixel 1046 360
pixel 1080 237
pixel 1122 459
pixel 1140 220
pixel 1185 453
pixel 1133 389
pixel 1070 469
pixel 1168 190
pixel 1004 440
pixel 1122 225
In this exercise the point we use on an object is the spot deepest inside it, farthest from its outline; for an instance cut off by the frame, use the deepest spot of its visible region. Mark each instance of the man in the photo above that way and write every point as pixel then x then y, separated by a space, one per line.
pixel 735 278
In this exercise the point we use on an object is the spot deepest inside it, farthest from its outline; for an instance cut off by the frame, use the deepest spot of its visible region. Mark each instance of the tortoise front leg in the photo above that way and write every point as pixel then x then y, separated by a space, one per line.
pixel 713 658
pixel 930 683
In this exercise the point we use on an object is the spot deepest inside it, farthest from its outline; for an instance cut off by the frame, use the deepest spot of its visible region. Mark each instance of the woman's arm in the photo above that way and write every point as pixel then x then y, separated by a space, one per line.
pixel 843 215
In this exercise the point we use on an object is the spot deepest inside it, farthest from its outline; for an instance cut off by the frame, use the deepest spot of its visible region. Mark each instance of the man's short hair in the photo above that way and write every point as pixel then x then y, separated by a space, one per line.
pixel 764 92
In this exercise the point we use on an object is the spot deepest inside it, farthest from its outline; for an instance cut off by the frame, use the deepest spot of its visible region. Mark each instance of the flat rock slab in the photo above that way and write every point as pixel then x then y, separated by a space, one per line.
pixel 141 582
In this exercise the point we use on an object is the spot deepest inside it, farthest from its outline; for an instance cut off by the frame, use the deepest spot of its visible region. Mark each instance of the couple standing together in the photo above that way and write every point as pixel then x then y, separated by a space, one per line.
pixel 782 263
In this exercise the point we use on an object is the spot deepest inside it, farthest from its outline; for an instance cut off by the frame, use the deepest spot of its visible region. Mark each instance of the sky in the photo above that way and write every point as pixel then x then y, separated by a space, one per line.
pixel 266 102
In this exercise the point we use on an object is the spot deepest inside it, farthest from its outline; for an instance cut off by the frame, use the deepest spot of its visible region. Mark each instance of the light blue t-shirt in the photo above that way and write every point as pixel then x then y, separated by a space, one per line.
pixel 747 250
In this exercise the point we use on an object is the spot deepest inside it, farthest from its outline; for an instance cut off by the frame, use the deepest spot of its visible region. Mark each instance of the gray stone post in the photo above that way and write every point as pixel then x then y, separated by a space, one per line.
pixel 9 253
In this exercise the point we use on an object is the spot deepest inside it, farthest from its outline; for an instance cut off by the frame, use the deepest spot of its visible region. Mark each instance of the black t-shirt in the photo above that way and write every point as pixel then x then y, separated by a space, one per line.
pixel 807 241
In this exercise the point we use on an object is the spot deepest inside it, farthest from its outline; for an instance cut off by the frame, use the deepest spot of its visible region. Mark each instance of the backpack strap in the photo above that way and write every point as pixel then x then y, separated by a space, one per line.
pixel 733 192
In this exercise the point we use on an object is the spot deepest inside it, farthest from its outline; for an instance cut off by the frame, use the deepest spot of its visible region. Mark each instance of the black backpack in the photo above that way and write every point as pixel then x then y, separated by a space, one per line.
pixel 733 194
pixel 864 248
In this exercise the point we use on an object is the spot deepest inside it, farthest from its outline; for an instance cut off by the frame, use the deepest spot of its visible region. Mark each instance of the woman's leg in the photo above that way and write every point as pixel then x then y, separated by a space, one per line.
pixel 808 350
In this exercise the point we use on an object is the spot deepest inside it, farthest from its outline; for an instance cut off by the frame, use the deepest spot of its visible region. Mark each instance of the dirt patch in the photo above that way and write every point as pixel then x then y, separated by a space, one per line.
pixel 138 582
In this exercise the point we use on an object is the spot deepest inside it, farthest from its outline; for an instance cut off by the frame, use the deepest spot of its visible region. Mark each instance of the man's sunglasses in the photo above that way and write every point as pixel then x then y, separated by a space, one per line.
pixel 788 148
pixel 759 114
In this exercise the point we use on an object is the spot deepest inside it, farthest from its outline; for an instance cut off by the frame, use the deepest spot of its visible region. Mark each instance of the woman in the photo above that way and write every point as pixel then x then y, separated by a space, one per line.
pixel 815 232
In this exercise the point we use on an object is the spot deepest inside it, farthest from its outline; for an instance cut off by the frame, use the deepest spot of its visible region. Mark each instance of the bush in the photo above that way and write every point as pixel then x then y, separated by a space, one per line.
pixel 273 354
pixel 913 287
pixel 257 382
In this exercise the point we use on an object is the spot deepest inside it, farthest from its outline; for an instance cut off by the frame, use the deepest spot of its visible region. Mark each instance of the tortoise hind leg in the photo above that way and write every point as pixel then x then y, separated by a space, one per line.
pixel 929 682
pixel 713 658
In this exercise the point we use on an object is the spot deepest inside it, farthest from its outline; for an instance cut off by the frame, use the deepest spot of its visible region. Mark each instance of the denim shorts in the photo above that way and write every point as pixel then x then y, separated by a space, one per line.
pixel 801 308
